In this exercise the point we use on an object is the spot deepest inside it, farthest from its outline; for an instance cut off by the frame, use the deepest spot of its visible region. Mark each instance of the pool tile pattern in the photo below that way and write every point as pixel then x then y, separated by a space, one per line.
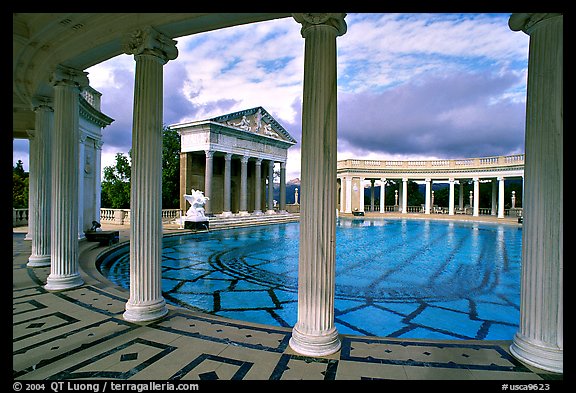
pixel 430 280
pixel 80 333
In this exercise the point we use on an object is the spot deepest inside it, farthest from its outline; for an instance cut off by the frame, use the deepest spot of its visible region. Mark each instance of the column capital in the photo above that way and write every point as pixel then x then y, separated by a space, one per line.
pixel 311 20
pixel 148 41
pixel 244 159
pixel 527 21
pixel 259 161
pixel 228 156
pixel 42 103
pixel 282 165
pixel 209 154
pixel 68 76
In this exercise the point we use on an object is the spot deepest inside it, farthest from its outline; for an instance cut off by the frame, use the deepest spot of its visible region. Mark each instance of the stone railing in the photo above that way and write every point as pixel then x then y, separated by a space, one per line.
pixel 122 216
pixel 480 162
pixel 19 217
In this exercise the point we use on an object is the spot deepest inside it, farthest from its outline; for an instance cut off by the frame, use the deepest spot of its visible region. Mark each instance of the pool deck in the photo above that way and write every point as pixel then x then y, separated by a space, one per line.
pixel 80 334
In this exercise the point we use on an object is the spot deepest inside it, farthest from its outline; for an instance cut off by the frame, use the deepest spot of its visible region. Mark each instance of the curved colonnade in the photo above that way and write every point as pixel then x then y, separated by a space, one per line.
pixel 353 175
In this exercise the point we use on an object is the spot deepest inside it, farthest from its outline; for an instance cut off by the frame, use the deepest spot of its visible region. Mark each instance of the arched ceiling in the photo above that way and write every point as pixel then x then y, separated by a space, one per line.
pixel 41 41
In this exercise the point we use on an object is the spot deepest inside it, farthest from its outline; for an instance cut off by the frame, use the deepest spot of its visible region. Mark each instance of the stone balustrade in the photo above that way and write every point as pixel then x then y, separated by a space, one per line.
pixel 468 163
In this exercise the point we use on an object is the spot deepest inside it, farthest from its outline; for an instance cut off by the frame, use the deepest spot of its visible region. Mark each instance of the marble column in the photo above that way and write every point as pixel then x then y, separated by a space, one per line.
pixel 151 51
pixel 539 340
pixel 81 162
pixel 97 178
pixel 244 186
pixel 282 187
pixel 40 194
pixel 427 198
pixel 451 197
pixel 404 195
pixel 500 197
pixel 361 197
pixel 64 272
pixel 476 204
pixel 461 195
pixel 342 194
pixel 258 187
pixel 208 174
pixel 382 195
pixel 227 185
pixel 314 333
pixel 372 194
pixel 270 188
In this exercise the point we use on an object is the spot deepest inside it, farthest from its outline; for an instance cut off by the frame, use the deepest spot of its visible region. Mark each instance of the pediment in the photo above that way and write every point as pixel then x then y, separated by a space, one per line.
pixel 256 121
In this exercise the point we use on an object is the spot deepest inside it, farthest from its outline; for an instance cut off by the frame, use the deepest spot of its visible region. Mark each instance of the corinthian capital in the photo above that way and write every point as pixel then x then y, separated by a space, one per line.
pixel 64 75
pixel 332 19
pixel 150 41
pixel 527 21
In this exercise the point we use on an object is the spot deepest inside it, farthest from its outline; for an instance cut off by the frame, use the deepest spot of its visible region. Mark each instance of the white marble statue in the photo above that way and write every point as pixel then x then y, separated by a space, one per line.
pixel 197 200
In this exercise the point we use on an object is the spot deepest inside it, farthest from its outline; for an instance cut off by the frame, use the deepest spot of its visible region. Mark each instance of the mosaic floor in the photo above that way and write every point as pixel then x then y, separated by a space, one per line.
pixel 80 334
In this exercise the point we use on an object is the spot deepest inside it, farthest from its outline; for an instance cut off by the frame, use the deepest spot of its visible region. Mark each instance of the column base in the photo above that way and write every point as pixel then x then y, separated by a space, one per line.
pixel 270 211
pixel 537 355
pixel 315 345
pixel 243 213
pixel 60 283
pixel 145 312
pixel 38 261
pixel 257 213
pixel 226 214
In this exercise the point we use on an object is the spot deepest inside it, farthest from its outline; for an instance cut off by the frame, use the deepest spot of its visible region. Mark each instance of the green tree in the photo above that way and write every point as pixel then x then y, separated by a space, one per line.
pixel 19 186
pixel 170 169
pixel 116 184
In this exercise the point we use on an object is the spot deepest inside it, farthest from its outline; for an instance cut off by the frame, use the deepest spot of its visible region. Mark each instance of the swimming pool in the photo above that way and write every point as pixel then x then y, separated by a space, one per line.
pixel 409 278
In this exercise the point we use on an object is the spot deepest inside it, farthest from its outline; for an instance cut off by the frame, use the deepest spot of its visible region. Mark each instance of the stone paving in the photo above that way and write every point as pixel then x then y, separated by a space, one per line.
pixel 80 334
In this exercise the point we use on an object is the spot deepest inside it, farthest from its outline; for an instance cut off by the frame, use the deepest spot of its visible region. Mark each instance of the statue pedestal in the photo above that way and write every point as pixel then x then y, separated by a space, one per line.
pixel 195 223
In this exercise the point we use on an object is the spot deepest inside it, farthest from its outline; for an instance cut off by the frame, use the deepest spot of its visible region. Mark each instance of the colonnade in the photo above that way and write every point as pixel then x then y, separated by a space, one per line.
pixel 350 185
pixel 539 340
pixel 260 187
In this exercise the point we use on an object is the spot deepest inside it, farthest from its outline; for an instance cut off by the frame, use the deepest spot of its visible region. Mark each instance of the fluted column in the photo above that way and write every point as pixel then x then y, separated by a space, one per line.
pixel 244 186
pixel 451 197
pixel 270 188
pixel 258 187
pixel 40 194
pixel 500 197
pixel 539 339
pixel 282 187
pixel 404 195
pixel 382 195
pixel 208 173
pixel 227 185
pixel 81 162
pixel 476 203
pixel 427 198
pixel 64 176
pixel 151 51
pixel 314 333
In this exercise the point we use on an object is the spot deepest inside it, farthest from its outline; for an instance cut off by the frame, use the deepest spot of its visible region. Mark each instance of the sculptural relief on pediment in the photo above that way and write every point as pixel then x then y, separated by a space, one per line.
pixel 255 123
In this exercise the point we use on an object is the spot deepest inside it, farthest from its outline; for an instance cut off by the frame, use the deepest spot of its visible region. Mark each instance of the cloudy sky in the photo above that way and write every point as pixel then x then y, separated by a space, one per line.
pixel 411 86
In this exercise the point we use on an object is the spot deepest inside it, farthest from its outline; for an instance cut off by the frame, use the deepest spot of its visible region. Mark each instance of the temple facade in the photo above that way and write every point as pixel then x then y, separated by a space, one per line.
pixel 231 158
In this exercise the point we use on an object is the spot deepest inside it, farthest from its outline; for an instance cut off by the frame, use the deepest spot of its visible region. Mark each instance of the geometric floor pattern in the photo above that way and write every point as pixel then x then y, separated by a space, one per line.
pixel 80 334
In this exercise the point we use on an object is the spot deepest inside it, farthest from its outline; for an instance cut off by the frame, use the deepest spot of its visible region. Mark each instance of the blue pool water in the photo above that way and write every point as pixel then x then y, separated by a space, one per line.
pixel 394 277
